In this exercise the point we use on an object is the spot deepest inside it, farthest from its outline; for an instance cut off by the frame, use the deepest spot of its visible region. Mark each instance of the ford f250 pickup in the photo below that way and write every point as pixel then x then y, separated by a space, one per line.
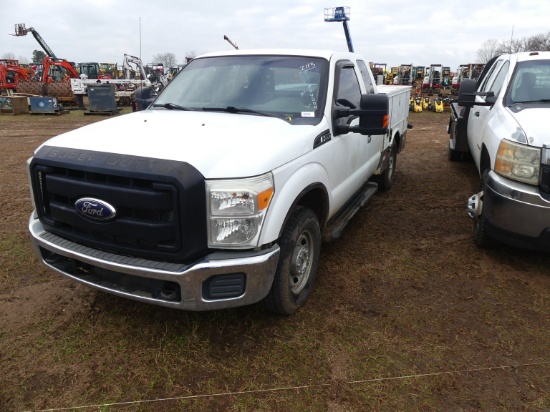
pixel 220 192
pixel 500 121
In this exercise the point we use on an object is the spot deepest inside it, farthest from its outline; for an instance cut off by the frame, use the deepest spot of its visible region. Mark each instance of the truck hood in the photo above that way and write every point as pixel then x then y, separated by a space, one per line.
pixel 531 120
pixel 218 145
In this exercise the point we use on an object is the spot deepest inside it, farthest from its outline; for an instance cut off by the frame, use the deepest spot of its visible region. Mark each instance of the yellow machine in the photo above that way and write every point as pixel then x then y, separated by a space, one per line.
pixel 438 105
pixel 425 103
pixel 394 72
pixel 417 104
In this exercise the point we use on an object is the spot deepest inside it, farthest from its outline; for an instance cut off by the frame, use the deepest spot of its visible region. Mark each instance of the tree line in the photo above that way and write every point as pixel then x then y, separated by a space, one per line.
pixel 491 48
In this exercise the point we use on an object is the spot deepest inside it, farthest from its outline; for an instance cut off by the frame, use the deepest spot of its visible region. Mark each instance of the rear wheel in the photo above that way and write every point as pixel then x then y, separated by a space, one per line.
pixel 297 268
pixel 386 179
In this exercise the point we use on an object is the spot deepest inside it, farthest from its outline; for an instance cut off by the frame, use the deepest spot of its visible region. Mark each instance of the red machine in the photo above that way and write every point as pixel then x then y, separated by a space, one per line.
pixel 57 70
pixel 11 73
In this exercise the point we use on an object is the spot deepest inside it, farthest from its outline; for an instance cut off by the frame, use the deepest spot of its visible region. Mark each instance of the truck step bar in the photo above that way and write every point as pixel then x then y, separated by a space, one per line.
pixel 338 223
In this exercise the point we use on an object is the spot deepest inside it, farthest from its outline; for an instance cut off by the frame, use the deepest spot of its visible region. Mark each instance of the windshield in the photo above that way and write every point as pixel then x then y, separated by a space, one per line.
pixel 289 87
pixel 530 82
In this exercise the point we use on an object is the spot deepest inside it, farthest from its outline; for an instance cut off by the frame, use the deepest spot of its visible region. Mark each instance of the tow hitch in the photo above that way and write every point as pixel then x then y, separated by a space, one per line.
pixel 475 204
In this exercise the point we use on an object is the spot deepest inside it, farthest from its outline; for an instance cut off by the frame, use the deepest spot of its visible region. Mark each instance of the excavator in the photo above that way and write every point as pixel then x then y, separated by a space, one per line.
pixel 56 73
pixel 55 70
pixel 10 75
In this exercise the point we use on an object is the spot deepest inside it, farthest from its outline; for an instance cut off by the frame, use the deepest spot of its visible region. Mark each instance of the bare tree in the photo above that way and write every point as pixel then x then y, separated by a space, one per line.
pixel 167 59
pixel 8 56
pixel 538 42
pixel 489 49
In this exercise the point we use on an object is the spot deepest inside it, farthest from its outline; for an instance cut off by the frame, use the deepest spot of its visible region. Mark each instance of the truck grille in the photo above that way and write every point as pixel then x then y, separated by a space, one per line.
pixel 158 216
pixel 545 178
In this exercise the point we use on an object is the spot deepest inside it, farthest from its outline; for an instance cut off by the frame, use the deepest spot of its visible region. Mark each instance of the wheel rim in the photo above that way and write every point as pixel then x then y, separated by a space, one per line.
pixel 391 165
pixel 301 262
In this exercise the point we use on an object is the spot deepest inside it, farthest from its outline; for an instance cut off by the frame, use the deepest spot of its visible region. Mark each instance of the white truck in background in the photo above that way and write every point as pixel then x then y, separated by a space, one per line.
pixel 220 192
pixel 500 121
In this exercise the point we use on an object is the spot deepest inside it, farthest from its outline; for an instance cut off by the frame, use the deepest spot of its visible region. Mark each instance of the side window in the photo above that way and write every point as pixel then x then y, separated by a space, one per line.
pixel 365 75
pixel 490 76
pixel 347 94
pixel 500 78
pixel 348 88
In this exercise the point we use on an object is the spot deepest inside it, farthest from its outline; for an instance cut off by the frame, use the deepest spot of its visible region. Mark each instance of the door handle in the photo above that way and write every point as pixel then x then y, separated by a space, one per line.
pixel 476 114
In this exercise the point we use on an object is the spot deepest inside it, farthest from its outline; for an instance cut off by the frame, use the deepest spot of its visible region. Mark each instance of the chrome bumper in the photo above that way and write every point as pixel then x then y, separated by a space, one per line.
pixel 135 278
pixel 515 207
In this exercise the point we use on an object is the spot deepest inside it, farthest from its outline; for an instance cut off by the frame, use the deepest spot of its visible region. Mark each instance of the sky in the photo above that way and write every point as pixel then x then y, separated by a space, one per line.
pixel 395 32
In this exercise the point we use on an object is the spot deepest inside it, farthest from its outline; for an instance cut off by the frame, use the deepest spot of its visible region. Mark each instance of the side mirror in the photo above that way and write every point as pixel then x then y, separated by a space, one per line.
pixel 142 98
pixel 467 95
pixel 373 115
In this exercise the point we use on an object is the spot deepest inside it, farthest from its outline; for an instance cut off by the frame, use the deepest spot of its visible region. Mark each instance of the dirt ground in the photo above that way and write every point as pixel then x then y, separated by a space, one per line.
pixel 407 313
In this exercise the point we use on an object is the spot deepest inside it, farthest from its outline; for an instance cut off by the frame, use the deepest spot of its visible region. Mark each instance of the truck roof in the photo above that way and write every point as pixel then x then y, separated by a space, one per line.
pixel 532 55
pixel 326 54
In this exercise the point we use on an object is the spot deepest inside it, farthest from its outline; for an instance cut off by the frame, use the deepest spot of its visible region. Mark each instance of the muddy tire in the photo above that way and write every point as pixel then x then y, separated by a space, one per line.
pixel 386 179
pixel 297 268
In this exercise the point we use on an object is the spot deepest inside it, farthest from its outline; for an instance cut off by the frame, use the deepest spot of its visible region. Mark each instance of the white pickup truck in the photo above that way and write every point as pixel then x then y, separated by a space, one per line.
pixel 500 120
pixel 220 192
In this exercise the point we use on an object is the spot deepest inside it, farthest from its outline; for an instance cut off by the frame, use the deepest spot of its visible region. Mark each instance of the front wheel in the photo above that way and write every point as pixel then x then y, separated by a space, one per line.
pixel 479 232
pixel 297 268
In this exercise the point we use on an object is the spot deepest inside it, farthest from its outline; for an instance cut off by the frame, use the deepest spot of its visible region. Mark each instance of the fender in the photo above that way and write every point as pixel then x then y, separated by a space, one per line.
pixel 289 187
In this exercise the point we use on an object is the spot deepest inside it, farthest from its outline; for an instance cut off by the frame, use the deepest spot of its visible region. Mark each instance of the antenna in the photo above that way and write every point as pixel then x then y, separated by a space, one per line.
pixel 511 39
pixel 230 42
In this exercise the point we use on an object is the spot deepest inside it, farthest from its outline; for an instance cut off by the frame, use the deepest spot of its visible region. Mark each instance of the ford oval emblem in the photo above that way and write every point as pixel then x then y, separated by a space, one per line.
pixel 95 209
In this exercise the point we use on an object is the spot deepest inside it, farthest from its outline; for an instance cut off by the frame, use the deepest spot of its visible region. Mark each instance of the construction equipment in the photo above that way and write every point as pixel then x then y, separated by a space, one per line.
pixel 378 69
pixel 438 105
pixel 109 69
pixel 425 103
pixel 417 104
pixel 11 73
pixel 55 70
pixel 92 71
pixel 445 77
pixel 466 71
pixel 392 75
pixel 337 14
pixel 133 76
pixel 405 75
pixel 432 81
pixel 419 73
pixel 20 30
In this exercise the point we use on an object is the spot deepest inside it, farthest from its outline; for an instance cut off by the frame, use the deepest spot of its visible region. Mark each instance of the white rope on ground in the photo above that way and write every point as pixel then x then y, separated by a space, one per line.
pixel 289 388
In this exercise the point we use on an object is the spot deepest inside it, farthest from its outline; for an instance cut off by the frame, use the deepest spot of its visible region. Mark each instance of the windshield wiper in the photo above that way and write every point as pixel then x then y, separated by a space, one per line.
pixel 171 106
pixel 534 101
pixel 233 109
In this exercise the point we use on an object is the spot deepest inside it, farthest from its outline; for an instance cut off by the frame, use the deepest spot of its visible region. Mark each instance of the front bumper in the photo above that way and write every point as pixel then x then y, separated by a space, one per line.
pixel 516 212
pixel 217 281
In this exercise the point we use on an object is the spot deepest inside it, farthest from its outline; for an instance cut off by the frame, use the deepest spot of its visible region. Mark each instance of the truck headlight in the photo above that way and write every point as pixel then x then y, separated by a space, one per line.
pixel 236 210
pixel 518 161
pixel 29 160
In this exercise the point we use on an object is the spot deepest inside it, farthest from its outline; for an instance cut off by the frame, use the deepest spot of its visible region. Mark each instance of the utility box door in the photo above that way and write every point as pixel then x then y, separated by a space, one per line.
pixel 44 105
pixel 102 98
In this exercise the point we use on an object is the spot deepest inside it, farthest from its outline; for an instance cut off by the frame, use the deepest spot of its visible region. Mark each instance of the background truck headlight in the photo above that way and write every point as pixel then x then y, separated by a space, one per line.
pixel 236 210
pixel 518 162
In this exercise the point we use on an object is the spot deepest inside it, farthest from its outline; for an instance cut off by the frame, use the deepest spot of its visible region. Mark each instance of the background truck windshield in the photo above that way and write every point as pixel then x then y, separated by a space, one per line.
pixel 531 82
pixel 284 86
